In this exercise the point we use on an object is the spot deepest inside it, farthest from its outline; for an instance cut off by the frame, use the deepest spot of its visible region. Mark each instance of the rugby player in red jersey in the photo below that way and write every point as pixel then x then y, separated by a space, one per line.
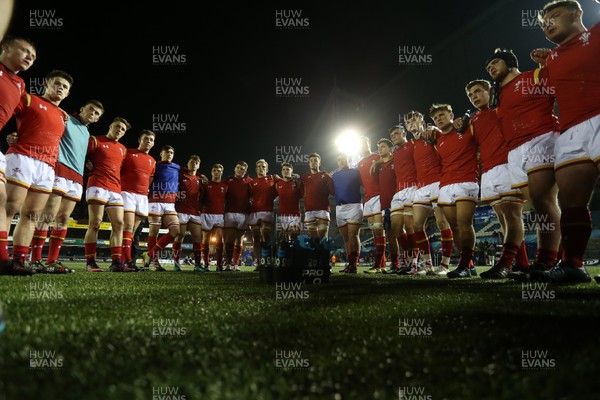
pixel 318 186
pixel 162 196
pixel 530 128
pixel 429 171
pixel 237 210
pixel 188 212
pixel 289 192
pixel 383 169
pixel 459 188
pixel 16 54
pixel 105 157
pixel 212 218
pixel 137 173
pixel 496 188
pixel 371 205
pixel 572 71
pixel 262 194
pixel 31 161
pixel 402 203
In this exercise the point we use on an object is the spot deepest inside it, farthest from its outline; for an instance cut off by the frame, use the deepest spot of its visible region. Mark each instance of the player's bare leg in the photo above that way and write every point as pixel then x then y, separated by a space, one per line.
pixel 95 215
pixel 171 221
pixel 376 224
pixel 30 211
pixel 115 214
pixel 447 238
pixel 542 191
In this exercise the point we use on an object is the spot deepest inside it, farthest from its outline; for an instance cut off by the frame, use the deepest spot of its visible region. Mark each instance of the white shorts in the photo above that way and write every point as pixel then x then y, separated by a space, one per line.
pixel 160 209
pixel 427 195
pixel 189 218
pixel 372 207
pixel 535 155
pixel 210 221
pixel 454 192
pixel 28 172
pixel 2 167
pixel 578 143
pixel 312 217
pixel 137 203
pixel 256 218
pixel 403 198
pixel 496 183
pixel 289 223
pixel 67 188
pixel 349 214
pixel 96 194
pixel 238 221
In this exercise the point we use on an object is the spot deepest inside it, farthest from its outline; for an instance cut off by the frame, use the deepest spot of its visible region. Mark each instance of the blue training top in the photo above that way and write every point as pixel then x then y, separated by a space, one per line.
pixel 347 186
pixel 73 145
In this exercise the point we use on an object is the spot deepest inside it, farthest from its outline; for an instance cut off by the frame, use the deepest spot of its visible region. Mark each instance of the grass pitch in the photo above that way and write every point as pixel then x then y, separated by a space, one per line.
pixel 187 335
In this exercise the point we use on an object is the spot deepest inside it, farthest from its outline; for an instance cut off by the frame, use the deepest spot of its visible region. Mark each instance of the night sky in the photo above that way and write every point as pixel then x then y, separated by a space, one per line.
pixel 255 81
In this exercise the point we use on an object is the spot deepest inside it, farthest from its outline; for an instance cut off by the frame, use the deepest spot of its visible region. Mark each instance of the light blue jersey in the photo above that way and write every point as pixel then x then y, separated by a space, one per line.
pixel 73 145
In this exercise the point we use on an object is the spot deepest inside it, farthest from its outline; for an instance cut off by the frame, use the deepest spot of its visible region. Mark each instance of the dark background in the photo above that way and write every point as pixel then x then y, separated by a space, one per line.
pixel 224 91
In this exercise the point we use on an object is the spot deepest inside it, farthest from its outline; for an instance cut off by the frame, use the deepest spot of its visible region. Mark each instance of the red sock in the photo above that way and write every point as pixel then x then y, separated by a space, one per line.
pixel 522 260
pixel 115 252
pixel 466 257
pixel 126 250
pixel 205 249
pixel 379 251
pixel 509 252
pixel 37 244
pixel 4 246
pixel 219 254
pixel 161 244
pixel 575 228
pixel 151 242
pixel 229 254
pixel 547 257
pixel 90 251
pixel 394 259
pixel 57 237
pixel 197 250
pixel 20 253
pixel 447 242
pixel 237 252
pixel 176 250
pixel 422 241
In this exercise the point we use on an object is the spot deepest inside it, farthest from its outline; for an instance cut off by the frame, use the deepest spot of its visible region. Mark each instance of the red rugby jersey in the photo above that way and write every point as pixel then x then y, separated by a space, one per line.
pixel 289 194
pixel 137 170
pixel 369 182
pixel 526 109
pixel 387 183
pixel 404 166
pixel 213 198
pixel 189 194
pixel 107 156
pixel 263 193
pixel 238 195
pixel 458 154
pixel 427 163
pixel 573 72
pixel 317 188
pixel 12 88
pixel 485 128
pixel 40 125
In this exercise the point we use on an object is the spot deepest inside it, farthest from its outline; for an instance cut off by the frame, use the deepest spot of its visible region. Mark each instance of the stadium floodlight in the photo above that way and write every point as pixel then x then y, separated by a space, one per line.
pixel 348 142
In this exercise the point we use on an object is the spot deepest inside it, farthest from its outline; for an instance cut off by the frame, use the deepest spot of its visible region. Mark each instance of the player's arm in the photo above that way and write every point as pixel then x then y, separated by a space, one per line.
pixel 92 144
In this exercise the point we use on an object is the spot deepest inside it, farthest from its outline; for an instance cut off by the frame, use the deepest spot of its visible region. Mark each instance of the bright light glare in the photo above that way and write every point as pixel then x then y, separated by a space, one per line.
pixel 348 143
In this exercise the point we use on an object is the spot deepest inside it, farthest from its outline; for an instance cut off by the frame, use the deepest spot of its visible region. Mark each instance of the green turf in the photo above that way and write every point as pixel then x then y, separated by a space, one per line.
pixel 106 336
